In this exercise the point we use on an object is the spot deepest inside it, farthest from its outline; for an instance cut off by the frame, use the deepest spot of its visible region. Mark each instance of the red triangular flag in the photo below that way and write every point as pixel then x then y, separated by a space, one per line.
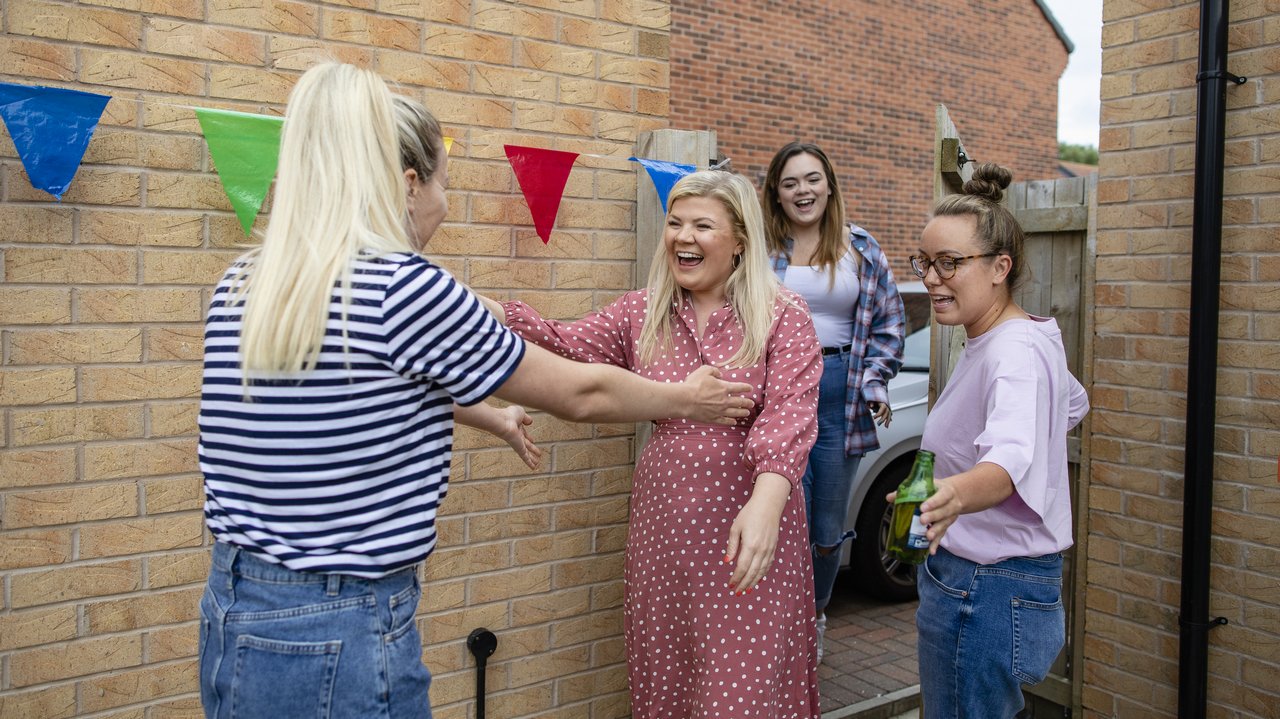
pixel 542 174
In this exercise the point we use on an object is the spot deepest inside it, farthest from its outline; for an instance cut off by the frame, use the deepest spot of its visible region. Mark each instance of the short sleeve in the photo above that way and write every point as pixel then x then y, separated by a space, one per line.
pixel 437 331
pixel 787 426
pixel 1008 439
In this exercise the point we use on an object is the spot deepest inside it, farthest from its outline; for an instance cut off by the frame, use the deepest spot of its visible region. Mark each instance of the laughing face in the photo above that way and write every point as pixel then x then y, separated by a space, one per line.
pixel 700 244
pixel 803 190
pixel 976 294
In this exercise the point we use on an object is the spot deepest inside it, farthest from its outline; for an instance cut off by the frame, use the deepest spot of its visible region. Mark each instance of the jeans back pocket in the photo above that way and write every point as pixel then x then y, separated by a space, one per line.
pixel 276 679
pixel 1039 633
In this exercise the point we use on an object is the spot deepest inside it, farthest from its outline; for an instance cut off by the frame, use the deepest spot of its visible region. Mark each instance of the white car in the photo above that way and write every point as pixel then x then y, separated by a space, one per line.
pixel 880 472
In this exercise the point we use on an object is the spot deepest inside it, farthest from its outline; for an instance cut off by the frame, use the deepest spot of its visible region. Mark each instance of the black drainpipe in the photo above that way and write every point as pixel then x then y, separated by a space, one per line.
pixel 1202 362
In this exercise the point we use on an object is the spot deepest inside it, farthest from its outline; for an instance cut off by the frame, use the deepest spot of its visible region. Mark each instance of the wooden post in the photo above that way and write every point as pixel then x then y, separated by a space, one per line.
pixel 688 147
pixel 949 176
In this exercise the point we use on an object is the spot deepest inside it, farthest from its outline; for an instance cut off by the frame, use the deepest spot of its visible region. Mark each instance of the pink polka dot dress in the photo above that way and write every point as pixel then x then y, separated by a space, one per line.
pixel 694 650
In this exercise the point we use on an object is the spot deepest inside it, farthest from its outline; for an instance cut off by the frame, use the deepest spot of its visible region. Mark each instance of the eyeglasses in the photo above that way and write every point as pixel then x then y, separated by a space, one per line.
pixel 945 265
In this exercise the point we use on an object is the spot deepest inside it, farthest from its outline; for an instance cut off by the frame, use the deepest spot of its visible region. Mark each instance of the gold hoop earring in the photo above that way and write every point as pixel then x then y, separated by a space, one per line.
pixel 737 260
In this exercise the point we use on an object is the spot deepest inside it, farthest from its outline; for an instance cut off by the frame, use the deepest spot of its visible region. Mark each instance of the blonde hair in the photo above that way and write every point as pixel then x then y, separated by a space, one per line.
pixel 751 288
pixel 833 234
pixel 339 193
pixel 421 141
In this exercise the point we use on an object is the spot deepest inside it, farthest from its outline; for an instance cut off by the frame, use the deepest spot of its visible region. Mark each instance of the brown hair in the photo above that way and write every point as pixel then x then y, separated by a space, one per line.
pixel 996 229
pixel 834 236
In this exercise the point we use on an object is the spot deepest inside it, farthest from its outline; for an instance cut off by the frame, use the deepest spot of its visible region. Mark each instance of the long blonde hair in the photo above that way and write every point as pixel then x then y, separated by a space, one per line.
pixel 751 288
pixel 339 193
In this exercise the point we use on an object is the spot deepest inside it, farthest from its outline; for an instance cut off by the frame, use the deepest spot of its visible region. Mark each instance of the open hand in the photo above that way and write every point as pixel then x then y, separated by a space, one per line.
pixel 514 431
pixel 714 400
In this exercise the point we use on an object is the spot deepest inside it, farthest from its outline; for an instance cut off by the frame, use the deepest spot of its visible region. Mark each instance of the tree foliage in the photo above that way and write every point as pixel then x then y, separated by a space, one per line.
pixel 1087 154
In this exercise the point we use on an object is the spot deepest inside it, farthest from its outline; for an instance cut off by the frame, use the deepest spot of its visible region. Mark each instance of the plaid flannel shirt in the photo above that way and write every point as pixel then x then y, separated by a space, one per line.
pixel 879 323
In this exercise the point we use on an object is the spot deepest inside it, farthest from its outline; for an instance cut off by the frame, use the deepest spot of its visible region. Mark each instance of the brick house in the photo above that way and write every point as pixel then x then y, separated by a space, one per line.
pixel 861 79
pixel 102 547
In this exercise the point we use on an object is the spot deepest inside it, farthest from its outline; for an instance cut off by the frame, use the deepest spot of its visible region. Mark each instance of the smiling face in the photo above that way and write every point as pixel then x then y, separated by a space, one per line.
pixel 976 295
pixel 803 190
pixel 427 202
pixel 700 243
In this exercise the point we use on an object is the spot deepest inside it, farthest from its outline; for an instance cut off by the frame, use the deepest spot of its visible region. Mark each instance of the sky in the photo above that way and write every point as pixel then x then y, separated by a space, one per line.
pixel 1078 89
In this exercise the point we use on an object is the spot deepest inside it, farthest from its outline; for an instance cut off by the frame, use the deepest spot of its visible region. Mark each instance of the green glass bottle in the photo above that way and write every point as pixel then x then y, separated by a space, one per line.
pixel 907 540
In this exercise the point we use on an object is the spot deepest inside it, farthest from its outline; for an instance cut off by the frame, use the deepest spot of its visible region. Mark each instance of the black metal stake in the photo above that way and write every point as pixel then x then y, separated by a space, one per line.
pixel 482 643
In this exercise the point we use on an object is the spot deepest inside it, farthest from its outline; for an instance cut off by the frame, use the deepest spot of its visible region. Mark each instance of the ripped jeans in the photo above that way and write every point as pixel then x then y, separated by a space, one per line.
pixel 828 480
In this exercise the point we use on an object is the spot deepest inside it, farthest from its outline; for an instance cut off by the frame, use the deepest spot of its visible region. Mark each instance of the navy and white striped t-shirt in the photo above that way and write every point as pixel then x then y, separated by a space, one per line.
pixel 341 469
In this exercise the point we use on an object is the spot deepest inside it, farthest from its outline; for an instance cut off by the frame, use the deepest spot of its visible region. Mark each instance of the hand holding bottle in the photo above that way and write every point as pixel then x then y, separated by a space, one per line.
pixel 908 538
pixel 986 485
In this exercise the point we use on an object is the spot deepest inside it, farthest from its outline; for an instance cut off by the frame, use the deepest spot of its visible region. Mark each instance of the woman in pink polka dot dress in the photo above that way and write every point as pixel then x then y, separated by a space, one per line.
pixel 719 618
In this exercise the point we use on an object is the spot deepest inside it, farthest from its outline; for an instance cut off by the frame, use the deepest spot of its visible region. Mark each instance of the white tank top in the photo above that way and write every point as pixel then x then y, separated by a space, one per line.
pixel 831 306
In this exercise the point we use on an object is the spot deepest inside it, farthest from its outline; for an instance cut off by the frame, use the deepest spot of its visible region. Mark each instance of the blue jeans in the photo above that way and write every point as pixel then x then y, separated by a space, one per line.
pixel 278 643
pixel 984 631
pixel 828 480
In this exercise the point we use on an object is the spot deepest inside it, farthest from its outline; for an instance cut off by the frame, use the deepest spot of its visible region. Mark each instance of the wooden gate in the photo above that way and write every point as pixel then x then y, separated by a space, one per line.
pixel 1059 219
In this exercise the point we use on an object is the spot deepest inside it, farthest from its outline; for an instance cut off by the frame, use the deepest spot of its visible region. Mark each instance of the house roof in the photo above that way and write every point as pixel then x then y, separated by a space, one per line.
pixel 1062 34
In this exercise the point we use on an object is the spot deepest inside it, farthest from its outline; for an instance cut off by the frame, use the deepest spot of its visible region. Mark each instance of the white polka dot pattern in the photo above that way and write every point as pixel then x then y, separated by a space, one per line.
pixel 694 650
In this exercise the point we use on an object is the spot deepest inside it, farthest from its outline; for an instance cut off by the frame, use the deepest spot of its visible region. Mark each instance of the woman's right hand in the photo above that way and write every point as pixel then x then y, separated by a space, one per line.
pixel 715 401
pixel 514 430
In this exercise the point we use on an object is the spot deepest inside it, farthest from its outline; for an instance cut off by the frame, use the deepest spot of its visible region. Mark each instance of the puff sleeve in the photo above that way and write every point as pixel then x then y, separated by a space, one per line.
pixel 787 426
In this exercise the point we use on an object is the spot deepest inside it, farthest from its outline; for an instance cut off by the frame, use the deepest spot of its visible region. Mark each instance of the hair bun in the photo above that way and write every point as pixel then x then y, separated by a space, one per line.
pixel 988 182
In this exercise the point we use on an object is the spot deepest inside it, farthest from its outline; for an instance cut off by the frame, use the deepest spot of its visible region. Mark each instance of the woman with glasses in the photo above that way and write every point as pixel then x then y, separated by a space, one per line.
pixel 990 617
pixel 840 271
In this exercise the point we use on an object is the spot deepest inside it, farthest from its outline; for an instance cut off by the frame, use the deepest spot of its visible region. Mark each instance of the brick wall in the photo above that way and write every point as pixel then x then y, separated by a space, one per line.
pixel 1142 298
pixel 862 79
pixel 102 549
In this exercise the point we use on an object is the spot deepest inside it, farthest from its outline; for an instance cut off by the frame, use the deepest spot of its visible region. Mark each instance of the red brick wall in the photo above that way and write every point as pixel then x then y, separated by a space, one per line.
pixel 862 79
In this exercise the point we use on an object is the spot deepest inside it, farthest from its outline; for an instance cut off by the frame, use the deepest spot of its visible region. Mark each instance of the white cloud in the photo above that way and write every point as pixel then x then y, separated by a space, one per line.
pixel 1079 89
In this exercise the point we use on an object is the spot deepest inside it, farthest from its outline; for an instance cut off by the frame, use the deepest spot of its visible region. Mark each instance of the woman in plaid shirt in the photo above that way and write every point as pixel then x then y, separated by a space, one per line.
pixel 841 272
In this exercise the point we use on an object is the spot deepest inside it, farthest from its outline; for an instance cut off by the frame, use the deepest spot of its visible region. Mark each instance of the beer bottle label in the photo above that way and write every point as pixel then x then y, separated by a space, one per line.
pixel 916 538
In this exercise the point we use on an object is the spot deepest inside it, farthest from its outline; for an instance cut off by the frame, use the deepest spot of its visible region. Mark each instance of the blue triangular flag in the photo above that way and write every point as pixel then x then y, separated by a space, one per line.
pixel 51 128
pixel 664 175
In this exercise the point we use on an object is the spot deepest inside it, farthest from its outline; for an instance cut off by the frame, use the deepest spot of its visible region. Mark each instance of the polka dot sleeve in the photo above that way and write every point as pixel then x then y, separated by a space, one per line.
pixel 784 432
pixel 604 336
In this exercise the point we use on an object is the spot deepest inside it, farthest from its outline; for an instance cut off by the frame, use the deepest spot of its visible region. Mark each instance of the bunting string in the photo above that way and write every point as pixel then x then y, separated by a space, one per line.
pixel 51 129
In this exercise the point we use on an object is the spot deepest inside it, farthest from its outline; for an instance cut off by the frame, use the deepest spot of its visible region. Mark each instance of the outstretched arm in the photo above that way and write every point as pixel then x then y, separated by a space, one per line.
pixel 583 392
pixel 509 424
pixel 982 487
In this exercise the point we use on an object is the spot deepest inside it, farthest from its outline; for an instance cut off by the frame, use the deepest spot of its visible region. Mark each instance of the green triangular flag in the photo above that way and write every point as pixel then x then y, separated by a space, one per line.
pixel 245 150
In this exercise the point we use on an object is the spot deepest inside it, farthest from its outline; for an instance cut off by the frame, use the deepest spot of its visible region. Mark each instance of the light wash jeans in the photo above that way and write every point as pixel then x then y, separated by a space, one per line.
pixel 276 643
pixel 984 631
pixel 828 480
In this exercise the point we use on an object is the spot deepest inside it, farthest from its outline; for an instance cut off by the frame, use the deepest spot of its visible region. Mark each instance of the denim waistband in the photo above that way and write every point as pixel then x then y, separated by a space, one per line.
pixel 242 562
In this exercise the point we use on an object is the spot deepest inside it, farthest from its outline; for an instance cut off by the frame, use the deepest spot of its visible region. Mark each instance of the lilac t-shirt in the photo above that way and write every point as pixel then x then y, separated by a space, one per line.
pixel 1010 402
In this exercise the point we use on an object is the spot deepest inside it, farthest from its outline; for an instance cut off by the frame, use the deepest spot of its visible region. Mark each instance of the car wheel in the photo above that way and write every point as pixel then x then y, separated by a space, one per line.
pixel 875 572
